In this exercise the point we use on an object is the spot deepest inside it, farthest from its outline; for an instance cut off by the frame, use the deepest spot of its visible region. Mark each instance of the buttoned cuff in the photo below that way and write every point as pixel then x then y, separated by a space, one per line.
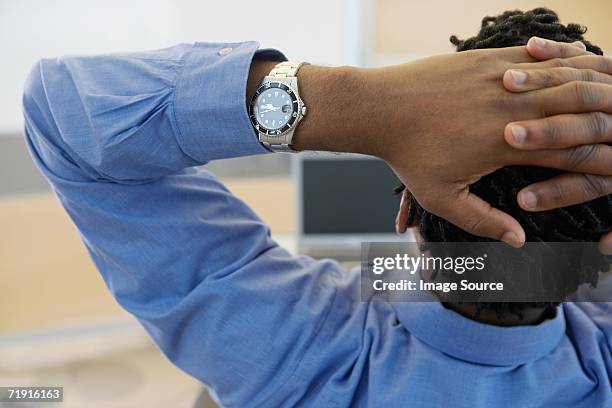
pixel 210 107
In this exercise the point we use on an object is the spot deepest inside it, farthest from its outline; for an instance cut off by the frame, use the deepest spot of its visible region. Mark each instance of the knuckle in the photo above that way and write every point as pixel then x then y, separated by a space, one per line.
pixel 559 62
pixel 562 49
pixel 547 77
pixel 596 186
pixel 506 100
pixel 556 194
pixel 584 93
pixel 606 64
pixel 479 224
pixel 588 75
pixel 550 131
pixel 475 225
pixel 598 125
pixel 478 59
pixel 580 155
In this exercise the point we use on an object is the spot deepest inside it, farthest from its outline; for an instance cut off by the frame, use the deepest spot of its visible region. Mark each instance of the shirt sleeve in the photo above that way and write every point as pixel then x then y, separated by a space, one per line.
pixel 137 117
pixel 118 137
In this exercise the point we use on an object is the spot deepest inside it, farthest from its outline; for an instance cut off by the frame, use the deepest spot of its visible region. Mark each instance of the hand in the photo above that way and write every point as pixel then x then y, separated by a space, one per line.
pixel 563 131
pixel 439 123
pixel 447 142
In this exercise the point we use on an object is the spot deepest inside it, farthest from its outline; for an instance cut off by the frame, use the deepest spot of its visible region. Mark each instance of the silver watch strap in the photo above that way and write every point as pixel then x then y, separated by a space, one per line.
pixel 286 69
pixel 279 147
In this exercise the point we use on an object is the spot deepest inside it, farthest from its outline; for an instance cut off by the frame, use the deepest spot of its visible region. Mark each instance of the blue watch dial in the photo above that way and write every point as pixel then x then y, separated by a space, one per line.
pixel 273 108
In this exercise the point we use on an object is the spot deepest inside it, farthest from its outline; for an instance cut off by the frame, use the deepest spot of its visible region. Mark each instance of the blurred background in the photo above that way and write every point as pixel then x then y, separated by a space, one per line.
pixel 58 324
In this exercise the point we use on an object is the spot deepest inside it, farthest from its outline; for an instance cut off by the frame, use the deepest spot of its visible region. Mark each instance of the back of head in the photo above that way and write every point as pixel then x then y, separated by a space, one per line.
pixel 579 223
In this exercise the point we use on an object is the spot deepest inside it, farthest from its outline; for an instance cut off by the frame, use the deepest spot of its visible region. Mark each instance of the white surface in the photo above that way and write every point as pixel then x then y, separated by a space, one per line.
pixel 133 378
pixel 330 32
pixel 68 344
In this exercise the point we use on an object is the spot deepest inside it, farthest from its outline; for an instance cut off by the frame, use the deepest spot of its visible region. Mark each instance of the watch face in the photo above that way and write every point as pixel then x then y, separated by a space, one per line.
pixel 274 108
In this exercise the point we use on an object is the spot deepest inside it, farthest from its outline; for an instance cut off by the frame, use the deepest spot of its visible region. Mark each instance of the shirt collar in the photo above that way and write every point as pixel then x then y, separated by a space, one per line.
pixel 469 340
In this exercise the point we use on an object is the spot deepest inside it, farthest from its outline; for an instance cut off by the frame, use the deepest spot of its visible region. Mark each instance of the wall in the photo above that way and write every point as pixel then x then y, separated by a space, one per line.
pixel 317 30
pixel 410 29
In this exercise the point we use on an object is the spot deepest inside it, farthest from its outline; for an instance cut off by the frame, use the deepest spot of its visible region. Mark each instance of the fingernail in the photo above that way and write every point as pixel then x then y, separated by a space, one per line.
pixel 580 44
pixel 519 134
pixel 539 42
pixel 511 239
pixel 529 200
pixel 605 247
pixel 519 77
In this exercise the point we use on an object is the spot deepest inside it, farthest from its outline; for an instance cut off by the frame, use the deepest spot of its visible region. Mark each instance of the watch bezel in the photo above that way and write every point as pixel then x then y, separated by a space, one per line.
pixel 292 119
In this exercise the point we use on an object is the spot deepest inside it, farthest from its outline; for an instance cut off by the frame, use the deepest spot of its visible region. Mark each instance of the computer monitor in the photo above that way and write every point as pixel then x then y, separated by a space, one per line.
pixel 343 200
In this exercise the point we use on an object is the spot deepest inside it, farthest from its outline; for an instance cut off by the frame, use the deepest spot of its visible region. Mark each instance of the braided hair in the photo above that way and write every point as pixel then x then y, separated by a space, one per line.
pixel 578 223
pixel 512 28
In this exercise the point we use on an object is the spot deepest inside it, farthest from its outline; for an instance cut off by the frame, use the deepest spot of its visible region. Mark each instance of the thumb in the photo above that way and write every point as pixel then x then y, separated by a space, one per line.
pixel 474 215
pixel 401 220
pixel 605 244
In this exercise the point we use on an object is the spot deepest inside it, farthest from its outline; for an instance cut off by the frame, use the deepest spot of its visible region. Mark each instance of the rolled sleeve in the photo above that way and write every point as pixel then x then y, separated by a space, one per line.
pixel 210 100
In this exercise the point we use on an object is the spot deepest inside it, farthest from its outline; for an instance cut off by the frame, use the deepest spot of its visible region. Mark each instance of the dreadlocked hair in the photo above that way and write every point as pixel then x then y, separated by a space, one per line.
pixel 513 28
pixel 578 223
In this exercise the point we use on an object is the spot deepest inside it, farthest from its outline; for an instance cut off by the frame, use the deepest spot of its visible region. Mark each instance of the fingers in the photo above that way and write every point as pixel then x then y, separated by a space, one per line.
pixel 544 49
pixel 564 190
pixel 401 220
pixel 474 215
pixel 572 97
pixel 530 79
pixel 591 159
pixel 560 131
pixel 599 63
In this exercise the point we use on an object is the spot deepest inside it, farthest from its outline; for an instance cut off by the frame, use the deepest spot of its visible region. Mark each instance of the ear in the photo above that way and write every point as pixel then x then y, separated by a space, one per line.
pixel 401 219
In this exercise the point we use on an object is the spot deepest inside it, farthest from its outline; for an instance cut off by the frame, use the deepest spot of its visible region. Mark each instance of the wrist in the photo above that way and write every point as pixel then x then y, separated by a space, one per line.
pixel 339 116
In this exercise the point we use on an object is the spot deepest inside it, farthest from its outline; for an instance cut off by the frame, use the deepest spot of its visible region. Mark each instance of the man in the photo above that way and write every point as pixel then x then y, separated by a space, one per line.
pixel 118 137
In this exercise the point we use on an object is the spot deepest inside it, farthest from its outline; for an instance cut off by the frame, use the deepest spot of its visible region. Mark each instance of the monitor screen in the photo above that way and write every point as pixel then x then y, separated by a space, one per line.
pixel 348 196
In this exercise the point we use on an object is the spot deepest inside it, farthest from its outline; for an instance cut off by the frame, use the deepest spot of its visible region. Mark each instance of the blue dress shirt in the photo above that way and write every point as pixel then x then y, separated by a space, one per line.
pixel 119 138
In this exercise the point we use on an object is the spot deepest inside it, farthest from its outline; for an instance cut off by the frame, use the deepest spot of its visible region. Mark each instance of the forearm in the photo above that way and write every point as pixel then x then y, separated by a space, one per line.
pixel 339 117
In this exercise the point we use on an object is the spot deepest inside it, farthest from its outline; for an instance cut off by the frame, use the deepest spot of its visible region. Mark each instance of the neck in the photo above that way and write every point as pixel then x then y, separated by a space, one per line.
pixel 531 316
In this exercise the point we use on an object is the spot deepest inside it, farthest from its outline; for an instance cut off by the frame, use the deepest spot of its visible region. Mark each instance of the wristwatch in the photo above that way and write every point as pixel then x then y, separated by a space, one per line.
pixel 276 108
